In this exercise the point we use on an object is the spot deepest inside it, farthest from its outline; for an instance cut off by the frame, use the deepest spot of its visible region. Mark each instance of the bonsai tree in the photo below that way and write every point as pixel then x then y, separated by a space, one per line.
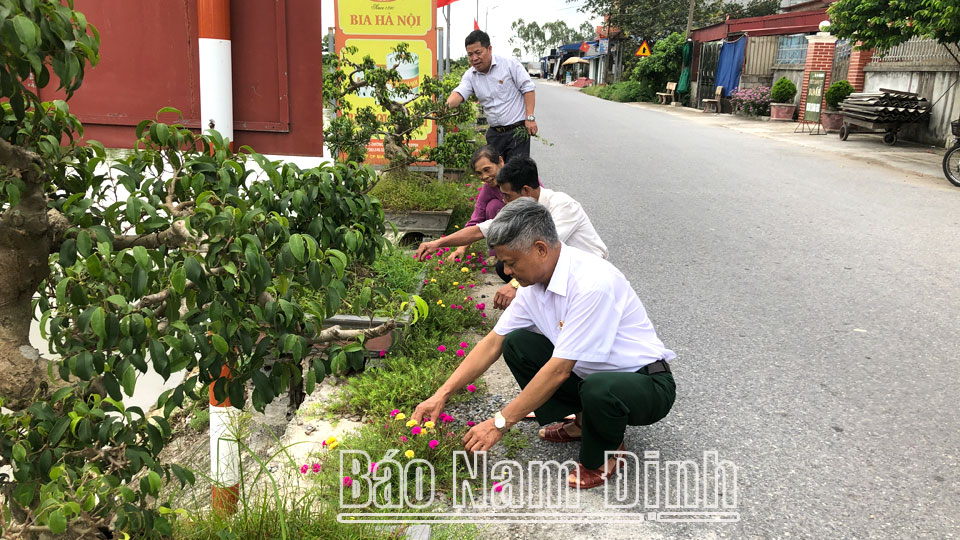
pixel 406 112
pixel 783 91
pixel 837 92
pixel 185 257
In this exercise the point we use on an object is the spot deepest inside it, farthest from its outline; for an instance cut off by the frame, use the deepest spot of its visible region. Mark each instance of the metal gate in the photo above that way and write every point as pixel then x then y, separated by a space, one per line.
pixel 707 74
pixel 841 60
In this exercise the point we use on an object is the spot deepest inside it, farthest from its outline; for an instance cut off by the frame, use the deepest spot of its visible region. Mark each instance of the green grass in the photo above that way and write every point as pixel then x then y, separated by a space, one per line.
pixel 414 191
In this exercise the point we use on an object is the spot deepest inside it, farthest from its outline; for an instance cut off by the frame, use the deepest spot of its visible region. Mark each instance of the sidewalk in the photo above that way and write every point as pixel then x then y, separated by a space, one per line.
pixel 905 156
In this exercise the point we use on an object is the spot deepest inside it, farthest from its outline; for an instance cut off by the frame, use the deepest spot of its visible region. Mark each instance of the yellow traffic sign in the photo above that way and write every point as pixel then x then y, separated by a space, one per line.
pixel 644 49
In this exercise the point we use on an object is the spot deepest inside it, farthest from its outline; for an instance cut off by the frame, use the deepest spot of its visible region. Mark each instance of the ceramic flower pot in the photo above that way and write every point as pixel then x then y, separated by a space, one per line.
pixel 831 121
pixel 782 112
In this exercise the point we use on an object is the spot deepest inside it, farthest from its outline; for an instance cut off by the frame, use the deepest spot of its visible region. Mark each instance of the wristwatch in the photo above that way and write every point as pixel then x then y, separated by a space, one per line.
pixel 499 421
pixel 531 118
pixel 515 284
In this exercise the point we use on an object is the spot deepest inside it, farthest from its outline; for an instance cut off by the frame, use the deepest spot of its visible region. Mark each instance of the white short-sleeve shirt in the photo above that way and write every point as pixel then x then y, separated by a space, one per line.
pixel 573 226
pixel 590 313
pixel 500 90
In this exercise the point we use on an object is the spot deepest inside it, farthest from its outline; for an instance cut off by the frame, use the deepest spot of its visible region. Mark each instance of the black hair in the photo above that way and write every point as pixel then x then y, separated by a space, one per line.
pixel 518 172
pixel 485 151
pixel 475 36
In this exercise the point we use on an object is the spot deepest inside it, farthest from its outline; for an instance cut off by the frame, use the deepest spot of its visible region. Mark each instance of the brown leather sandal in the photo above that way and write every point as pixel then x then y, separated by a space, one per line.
pixel 591 478
pixel 556 434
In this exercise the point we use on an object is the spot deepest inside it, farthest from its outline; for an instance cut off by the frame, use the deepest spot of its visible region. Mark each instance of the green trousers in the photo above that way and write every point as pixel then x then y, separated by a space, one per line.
pixel 609 401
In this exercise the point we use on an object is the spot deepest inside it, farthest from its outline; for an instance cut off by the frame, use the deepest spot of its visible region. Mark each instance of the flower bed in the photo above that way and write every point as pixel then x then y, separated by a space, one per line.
pixel 751 101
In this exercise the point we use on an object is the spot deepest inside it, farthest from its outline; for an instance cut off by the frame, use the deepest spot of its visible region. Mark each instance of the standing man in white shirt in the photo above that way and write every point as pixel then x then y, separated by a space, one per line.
pixel 504 89
pixel 519 178
pixel 577 340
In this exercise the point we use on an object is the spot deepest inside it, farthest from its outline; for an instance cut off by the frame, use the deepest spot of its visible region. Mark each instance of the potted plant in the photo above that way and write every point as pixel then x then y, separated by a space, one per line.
pixel 416 205
pixel 832 118
pixel 782 106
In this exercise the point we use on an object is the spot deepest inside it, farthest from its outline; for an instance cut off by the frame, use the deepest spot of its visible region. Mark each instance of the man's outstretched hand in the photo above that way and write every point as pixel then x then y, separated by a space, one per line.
pixel 429 408
pixel 482 436
pixel 426 248
pixel 504 296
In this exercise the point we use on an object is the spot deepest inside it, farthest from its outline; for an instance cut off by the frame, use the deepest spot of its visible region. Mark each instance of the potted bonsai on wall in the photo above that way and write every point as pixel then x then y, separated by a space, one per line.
pixel 782 106
pixel 832 118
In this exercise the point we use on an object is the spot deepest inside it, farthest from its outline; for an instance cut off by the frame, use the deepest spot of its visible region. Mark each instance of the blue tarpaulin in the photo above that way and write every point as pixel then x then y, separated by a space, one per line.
pixel 730 64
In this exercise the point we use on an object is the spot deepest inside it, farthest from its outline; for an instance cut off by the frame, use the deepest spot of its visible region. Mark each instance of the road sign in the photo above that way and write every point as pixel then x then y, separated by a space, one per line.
pixel 644 49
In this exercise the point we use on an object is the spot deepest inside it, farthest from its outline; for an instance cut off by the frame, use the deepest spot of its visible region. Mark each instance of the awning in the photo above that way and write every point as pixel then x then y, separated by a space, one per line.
pixel 591 57
pixel 570 46
pixel 574 60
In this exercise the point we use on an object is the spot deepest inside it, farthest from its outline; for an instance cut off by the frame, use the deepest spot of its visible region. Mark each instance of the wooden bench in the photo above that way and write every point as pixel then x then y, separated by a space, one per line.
pixel 665 98
pixel 715 102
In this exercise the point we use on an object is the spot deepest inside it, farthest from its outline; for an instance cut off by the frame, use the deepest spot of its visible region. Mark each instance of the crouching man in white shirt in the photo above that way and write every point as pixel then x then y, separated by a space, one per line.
pixel 577 340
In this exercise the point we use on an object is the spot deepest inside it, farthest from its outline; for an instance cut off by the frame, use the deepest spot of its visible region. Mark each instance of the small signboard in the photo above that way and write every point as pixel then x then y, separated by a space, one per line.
pixel 644 49
pixel 811 113
pixel 603 47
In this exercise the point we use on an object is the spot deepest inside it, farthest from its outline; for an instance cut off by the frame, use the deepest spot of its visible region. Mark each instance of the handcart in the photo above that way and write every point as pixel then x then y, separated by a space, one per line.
pixel 856 125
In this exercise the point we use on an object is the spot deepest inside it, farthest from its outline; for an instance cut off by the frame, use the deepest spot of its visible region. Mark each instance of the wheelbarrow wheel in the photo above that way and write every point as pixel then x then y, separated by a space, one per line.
pixel 890 138
pixel 844 132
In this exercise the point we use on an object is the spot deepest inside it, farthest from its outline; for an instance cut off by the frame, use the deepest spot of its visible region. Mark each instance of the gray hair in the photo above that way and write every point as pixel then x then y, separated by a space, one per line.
pixel 521 223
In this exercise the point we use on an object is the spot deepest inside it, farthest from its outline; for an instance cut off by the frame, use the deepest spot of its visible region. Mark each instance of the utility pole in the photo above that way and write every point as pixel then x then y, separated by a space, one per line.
pixel 693 5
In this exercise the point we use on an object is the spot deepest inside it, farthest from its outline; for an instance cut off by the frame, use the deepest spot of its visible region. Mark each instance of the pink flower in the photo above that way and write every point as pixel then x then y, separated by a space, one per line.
pixel 416 430
pixel 468 185
pixel 471 285
pixel 381 354
pixel 347 481
pixel 441 262
pixel 462 287
pixel 481 306
pixel 461 352
pixel 471 423
pixel 304 468
pixel 433 444
pixel 403 438
pixel 427 258
pixel 374 466
pixel 426 281
pixel 469 299
pixel 483 314
pixel 441 348
pixel 394 412
pixel 483 270
pixel 324 443
pixel 471 388
pixel 315 467
pixel 457 259
pixel 497 487
pixel 463 344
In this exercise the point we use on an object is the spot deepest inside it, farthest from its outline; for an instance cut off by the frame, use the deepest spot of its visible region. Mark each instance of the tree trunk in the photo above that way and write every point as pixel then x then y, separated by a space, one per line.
pixel 24 252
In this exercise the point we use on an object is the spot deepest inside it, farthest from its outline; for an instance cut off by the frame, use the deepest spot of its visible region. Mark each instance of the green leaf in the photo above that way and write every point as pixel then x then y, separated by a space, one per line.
pixel 219 344
pixel 129 380
pixel 142 257
pixel 84 243
pixel 297 246
pixel 68 252
pixel 117 300
pixel 27 31
pixel 97 323
pixel 179 280
pixel 13 193
pixel 193 269
pixel 139 283
pixel 57 522
pixel 19 453
pixel 58 430
pixel 311 381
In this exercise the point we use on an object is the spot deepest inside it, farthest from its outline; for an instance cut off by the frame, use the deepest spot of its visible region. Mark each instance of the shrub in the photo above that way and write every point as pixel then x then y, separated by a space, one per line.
pixel 413 191
pixel 837 92
pixel 783 91
pixel 628 91
pixel 663 65
pixel 606 92
pixel 751 101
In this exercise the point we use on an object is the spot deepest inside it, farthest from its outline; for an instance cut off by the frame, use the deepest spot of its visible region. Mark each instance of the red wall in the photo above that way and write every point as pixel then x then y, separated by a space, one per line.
pixel 769 25
pixel 148 60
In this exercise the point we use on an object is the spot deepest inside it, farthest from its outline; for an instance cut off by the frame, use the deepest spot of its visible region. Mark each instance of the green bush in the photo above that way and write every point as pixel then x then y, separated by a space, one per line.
pixel 838 92
pixel 592 90
pixel 628 91
pixel 606 92
pixel 783 91
pixel 415 191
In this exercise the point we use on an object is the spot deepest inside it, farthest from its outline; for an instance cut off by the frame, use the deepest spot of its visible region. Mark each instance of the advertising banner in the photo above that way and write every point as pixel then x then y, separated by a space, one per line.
pixel 375 27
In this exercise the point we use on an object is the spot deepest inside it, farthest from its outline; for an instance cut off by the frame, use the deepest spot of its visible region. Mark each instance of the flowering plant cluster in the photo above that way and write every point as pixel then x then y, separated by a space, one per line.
pixel 751 101
pixel 450 287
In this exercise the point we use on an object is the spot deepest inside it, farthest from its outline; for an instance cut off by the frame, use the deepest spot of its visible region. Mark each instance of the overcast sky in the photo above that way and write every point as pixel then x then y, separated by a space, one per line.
pixel 495 18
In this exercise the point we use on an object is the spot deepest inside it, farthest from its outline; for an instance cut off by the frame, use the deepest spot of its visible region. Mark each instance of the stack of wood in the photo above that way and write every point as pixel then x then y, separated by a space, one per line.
pixel 886 106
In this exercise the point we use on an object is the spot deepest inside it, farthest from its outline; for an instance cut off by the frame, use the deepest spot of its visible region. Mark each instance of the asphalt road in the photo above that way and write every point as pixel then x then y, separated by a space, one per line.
pixel 814 307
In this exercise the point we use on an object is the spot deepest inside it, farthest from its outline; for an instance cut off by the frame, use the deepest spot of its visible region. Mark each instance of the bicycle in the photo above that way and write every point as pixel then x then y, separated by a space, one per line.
pixel 951 161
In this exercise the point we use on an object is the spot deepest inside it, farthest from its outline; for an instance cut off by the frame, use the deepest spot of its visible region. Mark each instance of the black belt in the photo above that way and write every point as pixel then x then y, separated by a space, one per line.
pixel 501 129
pixel 660 366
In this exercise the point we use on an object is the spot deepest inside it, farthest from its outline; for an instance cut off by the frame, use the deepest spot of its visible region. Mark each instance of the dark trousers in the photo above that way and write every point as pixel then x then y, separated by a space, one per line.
pixel 609 401
pixel 510 142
